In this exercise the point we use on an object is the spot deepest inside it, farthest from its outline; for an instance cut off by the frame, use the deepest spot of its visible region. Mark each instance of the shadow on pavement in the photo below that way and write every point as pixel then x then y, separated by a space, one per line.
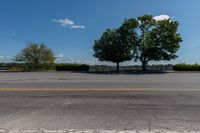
pixel 121 72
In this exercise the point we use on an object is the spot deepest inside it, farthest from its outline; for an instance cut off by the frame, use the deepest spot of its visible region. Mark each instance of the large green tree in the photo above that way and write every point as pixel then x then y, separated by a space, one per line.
pixel 114 46
pixel 34 55
pixel 156 39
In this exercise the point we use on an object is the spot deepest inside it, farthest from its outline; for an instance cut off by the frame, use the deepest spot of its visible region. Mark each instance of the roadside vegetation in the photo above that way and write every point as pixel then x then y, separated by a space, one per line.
pixel 186 67
pixel 72 67
pixel 143 39
pixel 12 66
pixel 58 67
pixel 97 68
pixel 140 39
pixel 35 57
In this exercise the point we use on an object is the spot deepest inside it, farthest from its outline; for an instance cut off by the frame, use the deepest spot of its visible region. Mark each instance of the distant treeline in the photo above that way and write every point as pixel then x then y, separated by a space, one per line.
pixel 43 67
pixel 85 67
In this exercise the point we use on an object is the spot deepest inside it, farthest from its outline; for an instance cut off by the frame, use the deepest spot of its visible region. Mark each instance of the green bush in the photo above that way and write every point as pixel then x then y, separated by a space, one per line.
pixel 12 66
pixel 186 67
pixel 26 67
pixel 72 67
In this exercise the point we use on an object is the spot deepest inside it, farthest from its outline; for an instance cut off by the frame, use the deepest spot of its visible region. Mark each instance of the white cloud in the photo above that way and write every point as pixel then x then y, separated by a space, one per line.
pixel 162 17
pixel 77 27
pixel 1 58
pixel 64 22
pixel 60 55
pixel 68 23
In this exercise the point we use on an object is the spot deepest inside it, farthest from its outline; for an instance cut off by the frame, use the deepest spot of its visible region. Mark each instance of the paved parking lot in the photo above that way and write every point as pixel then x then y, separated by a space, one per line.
pixel 163 102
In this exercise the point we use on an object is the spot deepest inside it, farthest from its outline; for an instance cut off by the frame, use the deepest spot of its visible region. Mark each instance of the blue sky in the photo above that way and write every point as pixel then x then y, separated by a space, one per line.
pixel 83 21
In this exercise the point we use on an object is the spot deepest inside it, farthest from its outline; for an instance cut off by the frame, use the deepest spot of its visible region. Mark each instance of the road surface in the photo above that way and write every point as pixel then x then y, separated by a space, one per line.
pixel 60 101
pixel 65 80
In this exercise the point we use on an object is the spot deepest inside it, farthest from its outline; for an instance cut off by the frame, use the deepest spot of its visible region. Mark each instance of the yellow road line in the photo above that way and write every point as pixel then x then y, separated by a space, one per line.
pixel 101 90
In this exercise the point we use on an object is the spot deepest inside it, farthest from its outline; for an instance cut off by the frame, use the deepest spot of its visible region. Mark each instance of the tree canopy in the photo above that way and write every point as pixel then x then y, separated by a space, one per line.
pixel 113 46
pixel 34 55
pixel 157 39
pixel 144 39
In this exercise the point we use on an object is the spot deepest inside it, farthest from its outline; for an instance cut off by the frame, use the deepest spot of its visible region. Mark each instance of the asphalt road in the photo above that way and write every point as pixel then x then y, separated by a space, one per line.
pixel 64 80
pixel 149 102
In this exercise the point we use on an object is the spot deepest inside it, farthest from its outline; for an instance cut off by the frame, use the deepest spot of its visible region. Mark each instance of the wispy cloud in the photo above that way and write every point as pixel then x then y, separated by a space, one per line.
pixel 77 26
pixel 64 22
pixel 60 55
pixel 68 23
pixel 1 58
pixel 11 32
pixel 161 17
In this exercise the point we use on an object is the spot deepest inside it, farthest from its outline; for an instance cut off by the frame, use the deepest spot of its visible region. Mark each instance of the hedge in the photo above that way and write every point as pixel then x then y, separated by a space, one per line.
pixel 186 67
pixel 72 67
pixel 26 67
pixel 12 66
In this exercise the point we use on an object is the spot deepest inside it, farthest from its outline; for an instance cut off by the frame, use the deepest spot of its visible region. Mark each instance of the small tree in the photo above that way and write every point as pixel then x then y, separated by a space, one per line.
pixel 113 46
pixel 156 40
pixel 35 55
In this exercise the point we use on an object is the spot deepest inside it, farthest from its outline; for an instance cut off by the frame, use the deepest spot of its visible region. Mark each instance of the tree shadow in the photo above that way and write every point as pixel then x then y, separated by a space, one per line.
pixel 147 72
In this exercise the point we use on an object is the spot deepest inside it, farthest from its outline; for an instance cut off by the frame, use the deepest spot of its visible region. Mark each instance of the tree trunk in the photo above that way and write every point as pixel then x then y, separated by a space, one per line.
pixel 117 67
pixel 143 66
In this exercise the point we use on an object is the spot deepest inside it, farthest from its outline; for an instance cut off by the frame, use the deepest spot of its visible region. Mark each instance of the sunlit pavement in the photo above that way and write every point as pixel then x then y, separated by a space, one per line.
pixel 141 109
pixel 66 80
pixel 89 131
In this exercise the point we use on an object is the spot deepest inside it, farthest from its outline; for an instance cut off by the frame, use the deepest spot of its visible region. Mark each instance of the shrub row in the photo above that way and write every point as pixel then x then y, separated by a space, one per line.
pixel 186 67
pixel 12 66
pixel 25 67
pixel 72 67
